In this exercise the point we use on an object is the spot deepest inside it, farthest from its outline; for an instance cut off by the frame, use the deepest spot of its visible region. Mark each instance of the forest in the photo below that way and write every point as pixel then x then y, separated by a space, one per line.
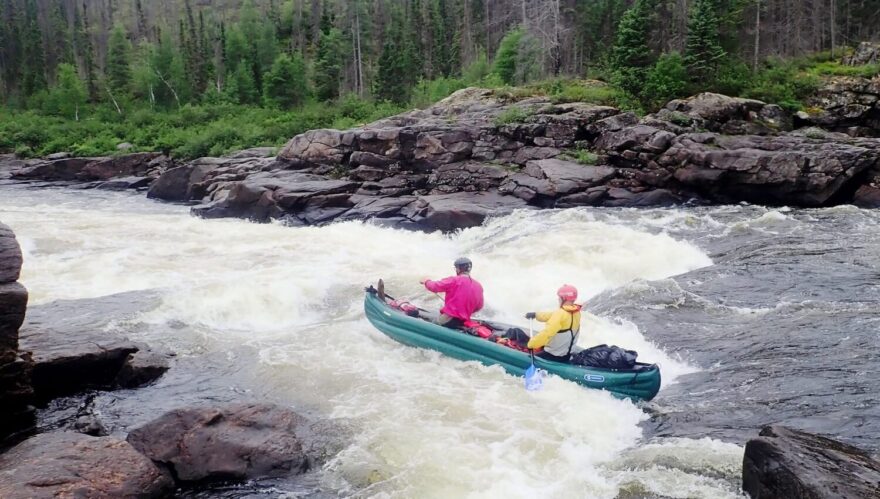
pixel 200 77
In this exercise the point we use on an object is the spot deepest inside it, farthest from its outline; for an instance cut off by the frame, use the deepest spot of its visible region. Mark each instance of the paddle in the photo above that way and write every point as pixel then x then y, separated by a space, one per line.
pixel 534 378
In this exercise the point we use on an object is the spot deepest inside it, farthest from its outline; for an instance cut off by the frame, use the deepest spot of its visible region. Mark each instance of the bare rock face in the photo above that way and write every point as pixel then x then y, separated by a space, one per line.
pixel 783 463
pixel 865 53
pixel 846 104
pixel 238 442
pixel 63 168
pixel 71 464
pixel 15 371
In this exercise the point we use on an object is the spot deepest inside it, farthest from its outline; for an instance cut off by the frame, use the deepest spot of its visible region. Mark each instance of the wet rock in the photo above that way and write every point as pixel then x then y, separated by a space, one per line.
pixel 867 196
pixel 127 165
pixel 236 442
pixel 71 464
pixel 89 424
pixel 70 357
pixel 142 367
pixel 784 463
pixel 447 212
pixel 123 183
pixel 10 256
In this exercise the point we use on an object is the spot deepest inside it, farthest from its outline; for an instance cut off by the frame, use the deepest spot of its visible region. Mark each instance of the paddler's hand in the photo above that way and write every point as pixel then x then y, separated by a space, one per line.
pixel 423 280
pixel 531 315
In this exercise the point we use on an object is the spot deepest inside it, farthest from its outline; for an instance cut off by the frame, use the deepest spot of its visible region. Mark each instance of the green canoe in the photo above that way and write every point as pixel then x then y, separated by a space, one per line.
pixel 640 383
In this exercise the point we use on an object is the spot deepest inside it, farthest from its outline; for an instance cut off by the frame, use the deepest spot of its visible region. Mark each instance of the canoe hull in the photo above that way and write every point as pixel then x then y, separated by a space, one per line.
pixel 641 383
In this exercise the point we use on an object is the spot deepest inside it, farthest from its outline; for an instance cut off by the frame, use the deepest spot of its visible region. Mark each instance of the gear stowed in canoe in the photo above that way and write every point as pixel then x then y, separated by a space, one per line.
pixel 642 382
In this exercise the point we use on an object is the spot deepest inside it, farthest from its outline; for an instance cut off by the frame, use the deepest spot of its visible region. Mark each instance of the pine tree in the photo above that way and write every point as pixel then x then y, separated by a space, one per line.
pixel 83 42
pixel 631 57
pixel 285 85
pixel 118 61
pixel 328 65
pixel 240 84
pixel 703 52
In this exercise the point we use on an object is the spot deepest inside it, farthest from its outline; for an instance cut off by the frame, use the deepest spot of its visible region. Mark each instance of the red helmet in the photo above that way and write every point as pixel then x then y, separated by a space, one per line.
pixel 567 292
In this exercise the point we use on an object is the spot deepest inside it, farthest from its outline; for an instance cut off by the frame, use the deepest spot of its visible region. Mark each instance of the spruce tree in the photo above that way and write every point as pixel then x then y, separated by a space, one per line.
pixel 631 57
pixel 703 51
pixel 118 61
pixel 69 94
pixel 285 85
pixel 505 58
pixel 328 65
pixel 33 60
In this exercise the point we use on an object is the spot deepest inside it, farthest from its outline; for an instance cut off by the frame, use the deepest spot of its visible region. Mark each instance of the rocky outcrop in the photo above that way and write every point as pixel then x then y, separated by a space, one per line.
pixel 783 463
pixel 865 53
pixel 139 169
pixel 70 464
pixel 845 104
pixel 220 444
pixel 70 361
pixel 15 370
pixel 72 355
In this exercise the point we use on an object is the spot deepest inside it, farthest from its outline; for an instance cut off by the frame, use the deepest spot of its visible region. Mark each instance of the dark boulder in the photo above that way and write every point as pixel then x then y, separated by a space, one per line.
pixel 71 464
pixel 128 165
pixel 16 393
pixel 238 442
pixel 66 169
pixel 783 463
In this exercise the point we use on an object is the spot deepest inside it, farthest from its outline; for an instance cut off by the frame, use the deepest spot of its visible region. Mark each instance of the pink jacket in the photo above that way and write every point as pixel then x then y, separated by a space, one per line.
pixel 464 295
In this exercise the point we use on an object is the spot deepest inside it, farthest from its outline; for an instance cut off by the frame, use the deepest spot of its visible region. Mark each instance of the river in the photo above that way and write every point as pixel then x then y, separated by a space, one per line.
pixel 755 315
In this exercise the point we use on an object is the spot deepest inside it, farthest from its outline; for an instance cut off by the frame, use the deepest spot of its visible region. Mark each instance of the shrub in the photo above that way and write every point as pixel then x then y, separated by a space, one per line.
pixel 512 115
pixel 667 80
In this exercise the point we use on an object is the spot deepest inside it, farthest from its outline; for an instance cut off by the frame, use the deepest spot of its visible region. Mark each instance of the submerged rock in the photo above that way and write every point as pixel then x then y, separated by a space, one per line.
pixel 237 442
pixel 71 464
pixel 783 463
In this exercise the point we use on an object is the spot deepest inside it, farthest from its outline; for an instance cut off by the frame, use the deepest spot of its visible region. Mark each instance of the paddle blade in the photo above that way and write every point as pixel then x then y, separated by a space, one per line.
pixel 534 378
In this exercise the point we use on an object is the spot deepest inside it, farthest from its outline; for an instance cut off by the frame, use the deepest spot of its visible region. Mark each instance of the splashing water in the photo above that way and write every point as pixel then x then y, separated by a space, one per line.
pixel 425 425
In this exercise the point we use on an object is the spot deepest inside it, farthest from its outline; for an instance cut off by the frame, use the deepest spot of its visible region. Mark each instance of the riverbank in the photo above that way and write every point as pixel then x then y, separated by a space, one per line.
pixel 482 153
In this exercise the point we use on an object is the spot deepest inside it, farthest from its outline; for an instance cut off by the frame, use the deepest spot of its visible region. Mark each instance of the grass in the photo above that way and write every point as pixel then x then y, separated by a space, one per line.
pixel 510 115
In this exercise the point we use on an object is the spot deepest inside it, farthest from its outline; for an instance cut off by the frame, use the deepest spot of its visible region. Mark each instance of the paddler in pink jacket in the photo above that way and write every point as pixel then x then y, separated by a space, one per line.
pixel 464 295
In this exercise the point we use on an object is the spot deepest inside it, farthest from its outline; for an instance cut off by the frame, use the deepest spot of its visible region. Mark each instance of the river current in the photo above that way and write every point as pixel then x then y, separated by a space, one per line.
pixel 755 315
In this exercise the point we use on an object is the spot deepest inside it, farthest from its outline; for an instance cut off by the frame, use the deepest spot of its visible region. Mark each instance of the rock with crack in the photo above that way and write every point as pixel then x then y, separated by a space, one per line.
pixel 68 464
pixel 550 179
pixel 448 212
pixel 238 442
pixel 16 392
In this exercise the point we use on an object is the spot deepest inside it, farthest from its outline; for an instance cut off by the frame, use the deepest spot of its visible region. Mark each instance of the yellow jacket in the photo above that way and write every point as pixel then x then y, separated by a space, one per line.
pixel 565 318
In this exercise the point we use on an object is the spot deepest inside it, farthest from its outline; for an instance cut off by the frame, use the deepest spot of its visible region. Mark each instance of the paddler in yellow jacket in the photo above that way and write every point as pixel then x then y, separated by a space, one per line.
pixel 562 327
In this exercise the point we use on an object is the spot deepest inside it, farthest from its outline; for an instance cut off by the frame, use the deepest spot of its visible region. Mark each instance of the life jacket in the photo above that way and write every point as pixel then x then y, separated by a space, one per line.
pixel 477 329
pixel 563 341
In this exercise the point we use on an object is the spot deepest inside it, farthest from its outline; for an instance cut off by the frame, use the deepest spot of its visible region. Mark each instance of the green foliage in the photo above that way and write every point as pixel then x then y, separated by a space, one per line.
pixel 835 68
pixel 512 115
pixel 285 85
pixel 782 83
pixel 427 92
pixel 118 61
pixel 703 52
pixel 396 66
pixel 631 57
pixel 476 72
pixel 68 95
pixel 504 65
pixel 585 157
pixel 667 80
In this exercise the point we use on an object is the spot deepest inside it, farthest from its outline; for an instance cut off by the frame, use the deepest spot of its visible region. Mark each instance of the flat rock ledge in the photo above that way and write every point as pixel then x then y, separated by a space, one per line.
pixel 783 463
pixel 68 464
pixel 219 444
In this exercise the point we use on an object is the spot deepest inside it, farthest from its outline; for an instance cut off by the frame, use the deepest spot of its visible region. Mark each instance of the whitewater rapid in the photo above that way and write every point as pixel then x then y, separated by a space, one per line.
pixel 422 425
